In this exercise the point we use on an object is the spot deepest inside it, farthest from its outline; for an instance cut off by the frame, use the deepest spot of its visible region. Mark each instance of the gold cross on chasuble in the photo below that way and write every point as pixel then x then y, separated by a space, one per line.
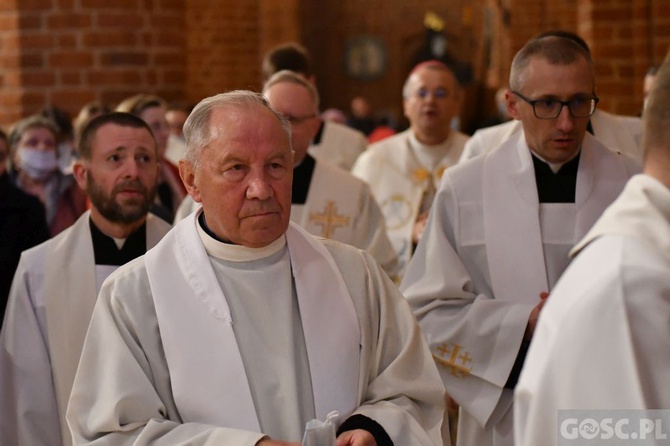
pixel 458 359
pixel 329 220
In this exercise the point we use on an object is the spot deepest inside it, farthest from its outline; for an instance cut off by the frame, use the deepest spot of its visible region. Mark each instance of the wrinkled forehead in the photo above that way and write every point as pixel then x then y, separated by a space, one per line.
pixel 247 122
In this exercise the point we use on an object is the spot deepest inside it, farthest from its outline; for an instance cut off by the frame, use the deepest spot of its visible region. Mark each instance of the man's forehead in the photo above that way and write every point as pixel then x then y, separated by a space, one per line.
pixel 432 75
pixel 558 78
pixel 112 136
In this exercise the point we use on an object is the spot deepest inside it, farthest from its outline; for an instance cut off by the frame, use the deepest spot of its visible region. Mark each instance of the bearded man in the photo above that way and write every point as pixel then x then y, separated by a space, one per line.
pixel 56 283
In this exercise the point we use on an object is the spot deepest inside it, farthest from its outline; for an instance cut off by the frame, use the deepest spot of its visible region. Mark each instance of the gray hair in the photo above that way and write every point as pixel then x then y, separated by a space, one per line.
pixel 197 128
pixel 555 50
pixel 291 77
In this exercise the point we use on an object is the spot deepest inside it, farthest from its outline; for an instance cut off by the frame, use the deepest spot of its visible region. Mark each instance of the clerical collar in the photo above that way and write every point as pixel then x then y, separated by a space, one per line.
pixel 559 186
pixel 111 251
pixel 223 250
pixel 429 155
pixel 302 178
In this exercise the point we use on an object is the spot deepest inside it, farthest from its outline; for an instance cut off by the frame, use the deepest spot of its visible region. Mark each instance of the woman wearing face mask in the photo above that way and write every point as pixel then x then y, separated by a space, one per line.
pixel 32 143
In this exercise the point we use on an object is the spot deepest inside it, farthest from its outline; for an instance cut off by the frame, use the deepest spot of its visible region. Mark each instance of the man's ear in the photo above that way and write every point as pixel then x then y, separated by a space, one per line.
pixel 511 101
pixel 187 174
pixel 80 173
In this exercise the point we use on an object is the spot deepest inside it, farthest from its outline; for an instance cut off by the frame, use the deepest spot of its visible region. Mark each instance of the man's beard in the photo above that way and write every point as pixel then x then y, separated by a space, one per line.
pixel 130 211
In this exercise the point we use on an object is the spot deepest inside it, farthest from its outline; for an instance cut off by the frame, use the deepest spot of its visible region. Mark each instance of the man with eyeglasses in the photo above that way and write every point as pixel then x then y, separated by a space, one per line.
pixel 500 231
pixel 336 143
pixel 618 133
pixel 405 169
pixel 608 317
pixel 326 200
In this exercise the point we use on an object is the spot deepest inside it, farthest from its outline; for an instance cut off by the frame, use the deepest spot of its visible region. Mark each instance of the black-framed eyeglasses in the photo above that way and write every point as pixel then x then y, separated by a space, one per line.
pixel 580 107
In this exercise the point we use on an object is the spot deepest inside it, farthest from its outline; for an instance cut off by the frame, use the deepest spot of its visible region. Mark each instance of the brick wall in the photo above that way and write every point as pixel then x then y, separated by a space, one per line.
pixel 69 52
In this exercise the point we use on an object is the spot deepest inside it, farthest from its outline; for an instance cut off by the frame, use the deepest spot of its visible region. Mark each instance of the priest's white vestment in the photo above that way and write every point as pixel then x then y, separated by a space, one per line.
pixel 603 340
pixel 339 144
pixel 398 174
pixel 341 207
pixel 50 305
pixel 489 249
pixel 180 370
pixel 618 133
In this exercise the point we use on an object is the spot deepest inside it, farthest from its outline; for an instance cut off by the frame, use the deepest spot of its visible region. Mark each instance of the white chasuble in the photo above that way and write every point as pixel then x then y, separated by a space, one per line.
pixel 210 384
pixel 55 291
pixel 490 249
pixel 341 207
pixel 400 179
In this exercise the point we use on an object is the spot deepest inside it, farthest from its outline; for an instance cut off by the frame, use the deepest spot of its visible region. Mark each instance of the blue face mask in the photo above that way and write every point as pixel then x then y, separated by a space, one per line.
pixel 37 164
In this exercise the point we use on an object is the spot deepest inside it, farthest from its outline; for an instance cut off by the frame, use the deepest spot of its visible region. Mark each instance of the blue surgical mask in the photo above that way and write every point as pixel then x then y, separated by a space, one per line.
pixel 37 164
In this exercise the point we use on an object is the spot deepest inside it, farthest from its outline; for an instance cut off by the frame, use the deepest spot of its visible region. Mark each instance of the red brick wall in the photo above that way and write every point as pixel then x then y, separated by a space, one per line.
pixel 66 52
pixel 223 45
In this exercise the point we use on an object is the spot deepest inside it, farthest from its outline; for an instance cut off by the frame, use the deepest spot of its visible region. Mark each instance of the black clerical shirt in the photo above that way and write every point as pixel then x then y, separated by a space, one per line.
pixel 107 253
pixel 556 187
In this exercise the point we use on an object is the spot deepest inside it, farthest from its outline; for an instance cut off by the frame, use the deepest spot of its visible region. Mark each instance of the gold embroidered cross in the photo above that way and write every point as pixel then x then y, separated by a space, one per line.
pixel 329 220
pixel 453 351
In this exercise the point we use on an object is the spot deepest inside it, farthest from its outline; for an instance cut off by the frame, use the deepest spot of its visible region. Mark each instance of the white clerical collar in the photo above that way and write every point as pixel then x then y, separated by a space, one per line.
pixel 237 253
pixel 555 167
pixel 429 155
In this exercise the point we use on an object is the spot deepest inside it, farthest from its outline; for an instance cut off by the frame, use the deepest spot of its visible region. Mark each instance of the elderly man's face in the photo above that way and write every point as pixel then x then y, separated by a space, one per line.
pixel 555 140
pixel 244 177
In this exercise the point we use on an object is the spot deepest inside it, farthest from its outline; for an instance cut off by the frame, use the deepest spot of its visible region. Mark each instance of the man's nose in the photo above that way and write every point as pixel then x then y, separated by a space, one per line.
pixel 131 168
pixel 259 187
pixel 565 121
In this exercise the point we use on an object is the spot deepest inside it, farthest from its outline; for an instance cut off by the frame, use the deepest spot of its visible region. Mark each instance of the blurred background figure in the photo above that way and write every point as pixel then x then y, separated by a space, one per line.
pixel 171 191
pixel 334 115
pixel 64 136
pixel 175 116
pixel 86 113
pixel 383 130
pixel 362 117
pixel 35 170
pixel 22 225
pixel 649 80
pixel 334 142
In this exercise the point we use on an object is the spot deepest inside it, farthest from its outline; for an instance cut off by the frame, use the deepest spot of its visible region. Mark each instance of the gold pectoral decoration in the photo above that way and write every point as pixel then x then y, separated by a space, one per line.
pixel 420 175
pixel 454 358
pixel 329 220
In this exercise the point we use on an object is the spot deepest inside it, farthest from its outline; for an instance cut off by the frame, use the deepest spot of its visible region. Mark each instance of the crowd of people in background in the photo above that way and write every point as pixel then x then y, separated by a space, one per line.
pixel 186 218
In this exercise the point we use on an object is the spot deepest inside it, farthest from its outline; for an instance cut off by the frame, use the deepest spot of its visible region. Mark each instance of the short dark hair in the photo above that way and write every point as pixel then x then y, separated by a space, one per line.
pixel 288 56
pixel 119 118
pixel 555 50
pixel 566 35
